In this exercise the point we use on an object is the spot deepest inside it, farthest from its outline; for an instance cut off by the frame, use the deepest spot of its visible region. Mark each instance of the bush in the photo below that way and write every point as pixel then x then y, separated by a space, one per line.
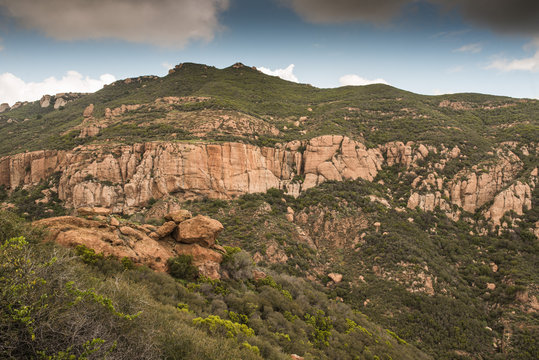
pixel 181 267
pixel 238 264
pixel 215 325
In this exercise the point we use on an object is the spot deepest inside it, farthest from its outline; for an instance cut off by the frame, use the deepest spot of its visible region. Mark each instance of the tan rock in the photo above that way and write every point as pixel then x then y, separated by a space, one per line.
pixel 166 229
pixel 275 254
pixel 258 275
pixel 219 248
pixel 114 221
pixel 59 102
pixel 45 101
pixel 102 238
pixel 516 198
pixel 491 286
pixel 4 107
pixel 337 278
pixel 199 230
pixel 178 216
pixel 88 112
pixel 206 260
pixel 93 211
pixel 129 231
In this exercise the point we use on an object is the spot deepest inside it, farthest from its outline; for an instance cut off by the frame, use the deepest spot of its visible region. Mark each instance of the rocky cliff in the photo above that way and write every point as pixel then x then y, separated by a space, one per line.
pixel 126 178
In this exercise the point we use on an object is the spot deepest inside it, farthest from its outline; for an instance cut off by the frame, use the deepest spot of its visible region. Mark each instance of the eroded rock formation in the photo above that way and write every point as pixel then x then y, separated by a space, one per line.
pixel 142 244
pixel 125 178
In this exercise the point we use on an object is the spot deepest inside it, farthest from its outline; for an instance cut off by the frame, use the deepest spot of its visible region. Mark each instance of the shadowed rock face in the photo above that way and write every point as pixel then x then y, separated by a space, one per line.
pixel 143 244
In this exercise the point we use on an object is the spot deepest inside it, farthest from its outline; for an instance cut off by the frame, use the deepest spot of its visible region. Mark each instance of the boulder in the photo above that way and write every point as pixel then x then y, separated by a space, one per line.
pixel 200 230
pixel 166 229
pixel 337 278
pixel 45 101
pixel 93 211
pixel 179 216
pixel 59 102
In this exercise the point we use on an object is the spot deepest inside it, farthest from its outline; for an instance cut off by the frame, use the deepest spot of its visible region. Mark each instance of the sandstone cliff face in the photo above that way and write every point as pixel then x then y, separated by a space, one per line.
pixel 472 188
pixel 515 198
pixel 125 178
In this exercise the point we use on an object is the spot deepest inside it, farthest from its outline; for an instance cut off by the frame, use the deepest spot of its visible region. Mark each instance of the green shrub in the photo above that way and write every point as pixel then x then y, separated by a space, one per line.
pixel 181 267
pixel 215 325
pixel 87 255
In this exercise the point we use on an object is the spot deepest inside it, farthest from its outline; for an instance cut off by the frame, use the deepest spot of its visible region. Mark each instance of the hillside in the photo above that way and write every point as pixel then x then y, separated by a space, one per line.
pixel 413 217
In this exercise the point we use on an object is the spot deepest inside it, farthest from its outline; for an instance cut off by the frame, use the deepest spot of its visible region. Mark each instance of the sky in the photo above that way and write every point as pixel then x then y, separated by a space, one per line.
pixel 425 46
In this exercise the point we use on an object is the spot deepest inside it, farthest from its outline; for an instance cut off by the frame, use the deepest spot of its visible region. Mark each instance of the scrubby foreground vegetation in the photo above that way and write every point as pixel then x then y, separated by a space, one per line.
pixel 59 303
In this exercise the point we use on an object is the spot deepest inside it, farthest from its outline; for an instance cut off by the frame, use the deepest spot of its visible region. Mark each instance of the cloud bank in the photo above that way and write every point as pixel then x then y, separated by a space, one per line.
pixel 13 89
pixel 285 74
pixel 167 23
pixel 525 64
pixel 356 80
pixel 506 16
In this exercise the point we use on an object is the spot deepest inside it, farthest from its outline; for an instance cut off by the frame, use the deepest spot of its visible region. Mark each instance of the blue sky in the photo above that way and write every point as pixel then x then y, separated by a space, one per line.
pixel 425 46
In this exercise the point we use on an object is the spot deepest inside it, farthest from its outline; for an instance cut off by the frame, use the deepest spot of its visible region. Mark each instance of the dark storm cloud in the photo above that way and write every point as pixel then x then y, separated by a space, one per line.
pixel 508 16
pixel 169 23
pixel 334 11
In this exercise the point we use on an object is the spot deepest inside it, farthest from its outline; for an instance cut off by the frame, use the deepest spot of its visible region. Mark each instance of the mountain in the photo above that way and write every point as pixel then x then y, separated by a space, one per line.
pixel 419 212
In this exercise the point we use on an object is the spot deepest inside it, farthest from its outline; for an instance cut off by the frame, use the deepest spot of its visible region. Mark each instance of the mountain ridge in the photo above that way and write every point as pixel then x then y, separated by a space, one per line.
pixel 419 211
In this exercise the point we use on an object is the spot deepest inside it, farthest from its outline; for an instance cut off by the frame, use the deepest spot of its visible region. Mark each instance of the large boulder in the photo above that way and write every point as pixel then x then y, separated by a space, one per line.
pixel 200 230
pixel 178 216
pixel 166 229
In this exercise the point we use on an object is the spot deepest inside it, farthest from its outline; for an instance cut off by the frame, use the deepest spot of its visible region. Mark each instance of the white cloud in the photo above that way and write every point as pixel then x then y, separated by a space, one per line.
pixel 525 64
pixel 167 65
pixel 353 79
pixel 470 48
pixel 169 23
pixel 13 89
pixel 285 74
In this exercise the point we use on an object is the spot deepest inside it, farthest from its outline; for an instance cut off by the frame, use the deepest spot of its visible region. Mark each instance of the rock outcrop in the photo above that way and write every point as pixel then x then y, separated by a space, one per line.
pixel 141 244
pixel 515 198
pixel 125 178
pixel 45 101
pixel 200 230
pixel 4 107
pixel 469 189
